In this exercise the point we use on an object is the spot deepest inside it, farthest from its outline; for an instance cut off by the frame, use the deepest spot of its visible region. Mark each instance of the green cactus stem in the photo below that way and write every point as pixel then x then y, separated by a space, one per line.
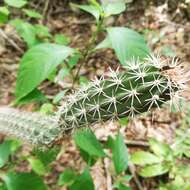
pixel 138 89
pixel 34 128
pixel 145 85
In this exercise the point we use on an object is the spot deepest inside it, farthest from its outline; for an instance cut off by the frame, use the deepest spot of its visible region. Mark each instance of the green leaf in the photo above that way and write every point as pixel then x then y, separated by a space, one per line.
pixel 42 32
pixel 58 97
pixel 143 158
pixel 90 160
pixel 32 13
pixel 124 121
pixel 3 187
pixel 24 181
pixel 67 177
pixel 83 181
pixel 47 108
pixel 46 156
pixel 160 149
pixel 52 75
pixel 37 64
pixel 125 178
pixel 154 170
pixel 6 149
pixel 74 60
pixel 109 143
pixel 16 3
pixel 87 141
pixel 120 154
pixel 32 34
pixel 114 8
pixel 65 71
pixel 34 96
pixel 83 81
pixel 106 43
pixel 127 44
pixel 95 3
pixel 26 31
pixel 37 166
pixel 93 10
pixel 121 186
pixel 4 14
pixel 181 169
pixel 61 39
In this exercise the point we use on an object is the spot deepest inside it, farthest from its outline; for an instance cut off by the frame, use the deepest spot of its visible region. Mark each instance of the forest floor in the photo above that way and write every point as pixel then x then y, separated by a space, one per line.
pixel 166 32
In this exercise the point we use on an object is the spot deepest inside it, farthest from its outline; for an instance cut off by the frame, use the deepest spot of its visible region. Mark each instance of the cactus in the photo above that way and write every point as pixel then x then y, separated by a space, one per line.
pixel 34 128
pixel 141 87
pixel 145 85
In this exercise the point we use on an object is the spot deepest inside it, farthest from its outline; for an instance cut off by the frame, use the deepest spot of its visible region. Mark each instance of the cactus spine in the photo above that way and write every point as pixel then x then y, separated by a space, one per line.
pixel 144 85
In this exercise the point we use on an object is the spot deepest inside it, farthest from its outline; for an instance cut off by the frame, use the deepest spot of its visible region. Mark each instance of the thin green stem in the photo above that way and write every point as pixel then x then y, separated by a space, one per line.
pixel 88 50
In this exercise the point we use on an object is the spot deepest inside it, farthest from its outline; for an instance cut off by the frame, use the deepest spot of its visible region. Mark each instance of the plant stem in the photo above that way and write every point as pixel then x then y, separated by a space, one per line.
pixel 88 50
pixel 13 43
pixel 135 177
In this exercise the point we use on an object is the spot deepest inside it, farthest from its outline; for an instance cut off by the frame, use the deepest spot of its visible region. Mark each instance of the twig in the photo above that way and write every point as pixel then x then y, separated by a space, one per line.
pixel 132 169
pixel 9 67
pixel 133 143
pixel 153 120
pixel 136 143
pixel 45 8
pixel 2 33
pixel 108 176
pixel 88 49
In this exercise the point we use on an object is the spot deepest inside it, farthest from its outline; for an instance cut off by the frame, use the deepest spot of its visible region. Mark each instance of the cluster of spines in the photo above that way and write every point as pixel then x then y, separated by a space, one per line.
pixel 34 128
pixel 143 86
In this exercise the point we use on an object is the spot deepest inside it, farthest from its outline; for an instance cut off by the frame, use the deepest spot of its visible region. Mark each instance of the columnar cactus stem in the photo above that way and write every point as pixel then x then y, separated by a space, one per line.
pixel 34 128
pixel 143 86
